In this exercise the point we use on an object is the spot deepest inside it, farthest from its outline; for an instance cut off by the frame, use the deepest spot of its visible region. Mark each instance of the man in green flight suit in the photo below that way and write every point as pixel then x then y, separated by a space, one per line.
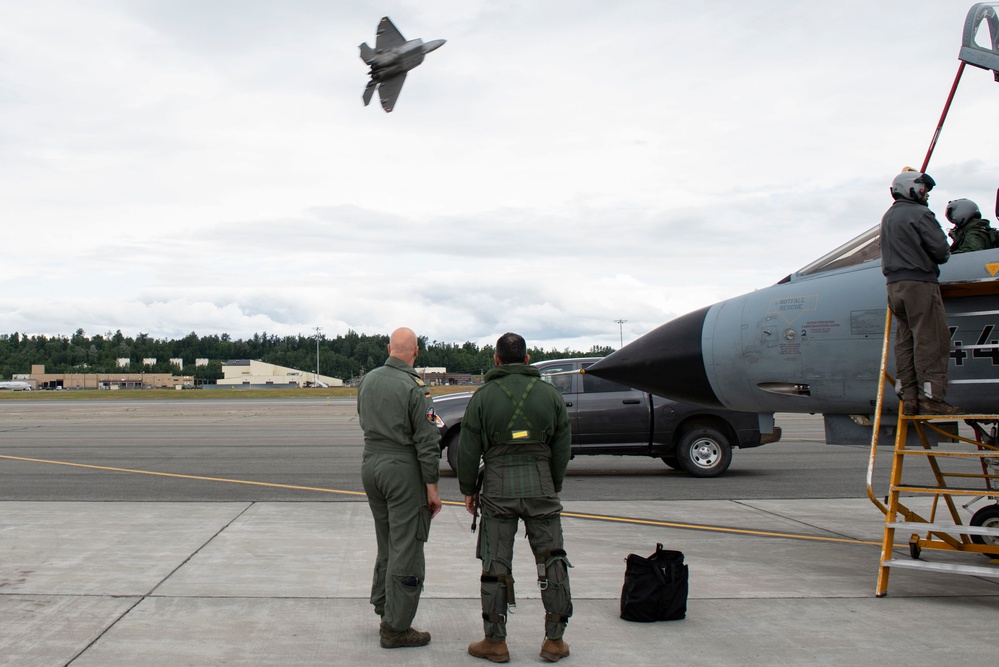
pixel 400 471
pixel 518 425
pixel 970 232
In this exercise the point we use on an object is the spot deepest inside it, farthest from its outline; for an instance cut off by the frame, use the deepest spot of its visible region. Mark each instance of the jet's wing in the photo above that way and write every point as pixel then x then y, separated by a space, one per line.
pixel 389 91
pixel 387 36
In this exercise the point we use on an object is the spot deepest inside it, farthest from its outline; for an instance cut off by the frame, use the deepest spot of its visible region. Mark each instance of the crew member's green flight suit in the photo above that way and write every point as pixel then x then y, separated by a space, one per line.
pixel 519 426
pixel 401 456
pixel 976 234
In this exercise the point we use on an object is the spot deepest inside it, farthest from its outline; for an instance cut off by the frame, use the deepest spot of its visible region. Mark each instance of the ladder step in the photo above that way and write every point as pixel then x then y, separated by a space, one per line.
pixel 968 416
pixel 920 527
pixel 952 568
pixel 941 490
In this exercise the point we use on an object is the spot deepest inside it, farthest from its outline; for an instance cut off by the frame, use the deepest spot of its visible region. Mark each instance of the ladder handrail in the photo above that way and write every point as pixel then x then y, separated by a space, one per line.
pixel 883 374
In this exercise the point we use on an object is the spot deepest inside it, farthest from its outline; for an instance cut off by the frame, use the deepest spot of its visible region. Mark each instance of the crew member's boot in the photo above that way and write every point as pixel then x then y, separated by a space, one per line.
pixel 409 637
pixel 554 650
pixel 937 406
pixel 931 400
pixel 493 650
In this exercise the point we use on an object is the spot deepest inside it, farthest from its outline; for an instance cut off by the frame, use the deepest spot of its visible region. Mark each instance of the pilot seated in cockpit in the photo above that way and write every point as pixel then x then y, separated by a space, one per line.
pixel 970 232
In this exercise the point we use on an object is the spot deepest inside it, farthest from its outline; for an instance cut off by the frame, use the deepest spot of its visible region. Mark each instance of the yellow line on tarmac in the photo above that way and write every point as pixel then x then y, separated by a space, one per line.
pixel 176 475
pixel 715 529
pixel 573 515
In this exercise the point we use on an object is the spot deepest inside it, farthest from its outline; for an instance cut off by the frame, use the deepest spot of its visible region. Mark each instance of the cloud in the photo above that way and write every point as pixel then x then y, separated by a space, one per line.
pixel 183 166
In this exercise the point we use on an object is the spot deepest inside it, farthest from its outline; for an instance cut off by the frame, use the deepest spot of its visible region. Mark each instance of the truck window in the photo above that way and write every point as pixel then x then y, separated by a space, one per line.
pixel 595 385
pixel 560 377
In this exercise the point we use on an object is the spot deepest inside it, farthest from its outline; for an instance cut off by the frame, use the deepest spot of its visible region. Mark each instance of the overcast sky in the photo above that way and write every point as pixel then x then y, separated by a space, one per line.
pixel 169 166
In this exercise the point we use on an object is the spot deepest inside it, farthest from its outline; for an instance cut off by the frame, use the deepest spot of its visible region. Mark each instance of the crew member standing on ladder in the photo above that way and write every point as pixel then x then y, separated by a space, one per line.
pixel 912 248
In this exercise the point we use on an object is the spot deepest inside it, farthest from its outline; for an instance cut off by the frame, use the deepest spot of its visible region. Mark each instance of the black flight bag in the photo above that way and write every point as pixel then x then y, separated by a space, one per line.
pixel 655 588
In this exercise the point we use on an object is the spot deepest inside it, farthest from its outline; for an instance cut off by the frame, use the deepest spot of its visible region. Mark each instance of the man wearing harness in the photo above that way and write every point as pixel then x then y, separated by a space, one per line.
pixel 519 427
pixel 400 471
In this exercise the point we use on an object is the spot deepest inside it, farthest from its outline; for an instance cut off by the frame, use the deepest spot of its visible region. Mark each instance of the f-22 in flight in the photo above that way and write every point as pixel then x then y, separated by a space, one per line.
pixel 812 343
pixel 390 60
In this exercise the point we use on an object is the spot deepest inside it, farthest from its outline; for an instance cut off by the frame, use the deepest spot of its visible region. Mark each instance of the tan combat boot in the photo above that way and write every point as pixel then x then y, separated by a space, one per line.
pixel 936 406
pixel 493 650
pixel 554 650
pixel 408 637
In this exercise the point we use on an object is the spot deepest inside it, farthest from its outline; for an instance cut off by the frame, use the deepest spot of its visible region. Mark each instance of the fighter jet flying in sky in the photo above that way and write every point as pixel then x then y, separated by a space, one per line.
pixel 812 343
pixel 390 60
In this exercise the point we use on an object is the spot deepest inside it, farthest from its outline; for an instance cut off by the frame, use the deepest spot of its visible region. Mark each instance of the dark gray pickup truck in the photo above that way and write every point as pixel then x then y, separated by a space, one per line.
pixel 609 418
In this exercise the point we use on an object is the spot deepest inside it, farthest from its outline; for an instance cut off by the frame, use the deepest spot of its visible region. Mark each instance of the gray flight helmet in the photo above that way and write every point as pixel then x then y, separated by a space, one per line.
pixel 962 211
pixel 912 185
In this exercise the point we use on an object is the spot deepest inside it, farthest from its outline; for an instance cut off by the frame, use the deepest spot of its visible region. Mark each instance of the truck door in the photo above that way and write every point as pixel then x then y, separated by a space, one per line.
pixel 610 413
pixel 565 377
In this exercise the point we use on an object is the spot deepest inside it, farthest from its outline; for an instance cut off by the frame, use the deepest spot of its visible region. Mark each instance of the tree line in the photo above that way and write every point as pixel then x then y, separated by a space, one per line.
pixel 346 356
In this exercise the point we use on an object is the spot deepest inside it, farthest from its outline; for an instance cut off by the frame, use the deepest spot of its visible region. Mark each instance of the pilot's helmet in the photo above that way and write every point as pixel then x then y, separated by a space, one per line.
pixel 962 211
pixel 912 185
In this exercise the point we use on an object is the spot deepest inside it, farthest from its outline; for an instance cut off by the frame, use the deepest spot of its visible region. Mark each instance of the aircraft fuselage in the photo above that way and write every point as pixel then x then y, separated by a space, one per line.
pixel 812 343
pixel 393 62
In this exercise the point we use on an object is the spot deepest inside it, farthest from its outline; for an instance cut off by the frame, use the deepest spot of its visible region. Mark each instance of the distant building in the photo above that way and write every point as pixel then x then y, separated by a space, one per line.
pixel 438 375
pixel 254 374
pixel 178 362
pixel 113 380
pixel 123 362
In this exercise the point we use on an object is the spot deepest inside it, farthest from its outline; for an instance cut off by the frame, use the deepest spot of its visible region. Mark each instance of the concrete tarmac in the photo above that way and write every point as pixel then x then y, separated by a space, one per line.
pixel 104 568
pixel 286 583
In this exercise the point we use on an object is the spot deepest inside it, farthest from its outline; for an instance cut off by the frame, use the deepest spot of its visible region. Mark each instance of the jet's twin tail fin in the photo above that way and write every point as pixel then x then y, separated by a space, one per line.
pixel 367 53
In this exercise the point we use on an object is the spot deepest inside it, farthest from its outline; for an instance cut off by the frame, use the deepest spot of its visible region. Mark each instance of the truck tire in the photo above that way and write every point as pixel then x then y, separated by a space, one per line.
pixel 672 462
pixel 451 442
pixel 704 451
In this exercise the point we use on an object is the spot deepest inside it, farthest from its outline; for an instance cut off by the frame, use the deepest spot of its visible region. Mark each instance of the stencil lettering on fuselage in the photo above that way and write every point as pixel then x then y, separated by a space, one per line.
pixel 791 307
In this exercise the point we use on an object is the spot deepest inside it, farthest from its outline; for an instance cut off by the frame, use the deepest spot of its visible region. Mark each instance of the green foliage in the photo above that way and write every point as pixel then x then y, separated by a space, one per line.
pixel 344 357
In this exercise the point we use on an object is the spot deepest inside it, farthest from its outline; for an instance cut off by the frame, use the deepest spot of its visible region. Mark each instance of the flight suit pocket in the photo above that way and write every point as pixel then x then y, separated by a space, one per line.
pixel 492 482
pixel 545 477
pixel 423 524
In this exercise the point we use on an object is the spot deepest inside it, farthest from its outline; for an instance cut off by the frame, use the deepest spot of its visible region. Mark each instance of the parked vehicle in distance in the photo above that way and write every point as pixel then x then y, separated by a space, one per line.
pixel 609 418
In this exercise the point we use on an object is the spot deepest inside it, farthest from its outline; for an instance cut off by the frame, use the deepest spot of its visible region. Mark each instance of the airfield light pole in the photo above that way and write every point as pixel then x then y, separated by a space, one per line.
pixel 318 329
pixel 620 324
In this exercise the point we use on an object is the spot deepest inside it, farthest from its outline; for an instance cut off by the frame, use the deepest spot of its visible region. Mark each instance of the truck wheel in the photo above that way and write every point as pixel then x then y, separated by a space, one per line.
pixel 672 462
pixel 452 450
pixel 987 517
pixel 704 452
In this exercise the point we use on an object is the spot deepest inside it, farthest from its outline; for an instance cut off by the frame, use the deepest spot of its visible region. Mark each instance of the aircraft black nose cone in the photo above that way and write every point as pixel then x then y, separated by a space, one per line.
pixel 668 361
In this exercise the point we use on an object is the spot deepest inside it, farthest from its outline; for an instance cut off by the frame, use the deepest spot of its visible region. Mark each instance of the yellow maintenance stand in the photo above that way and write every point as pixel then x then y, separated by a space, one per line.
pixel 970 470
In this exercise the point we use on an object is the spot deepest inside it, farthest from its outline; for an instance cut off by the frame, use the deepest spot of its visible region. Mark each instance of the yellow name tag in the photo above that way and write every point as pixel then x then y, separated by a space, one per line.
pixel 517 435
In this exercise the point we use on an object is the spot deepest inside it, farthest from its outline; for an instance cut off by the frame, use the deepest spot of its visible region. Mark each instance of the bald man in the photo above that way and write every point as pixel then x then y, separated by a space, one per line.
pixel 400 471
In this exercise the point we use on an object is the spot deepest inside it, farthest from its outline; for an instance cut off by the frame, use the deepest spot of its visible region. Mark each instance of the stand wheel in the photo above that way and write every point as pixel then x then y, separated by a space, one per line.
pixel 987 517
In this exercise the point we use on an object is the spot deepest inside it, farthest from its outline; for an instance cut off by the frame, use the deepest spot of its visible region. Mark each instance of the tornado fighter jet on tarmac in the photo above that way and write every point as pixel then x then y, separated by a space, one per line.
pixel 390 60
pixel 812 342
